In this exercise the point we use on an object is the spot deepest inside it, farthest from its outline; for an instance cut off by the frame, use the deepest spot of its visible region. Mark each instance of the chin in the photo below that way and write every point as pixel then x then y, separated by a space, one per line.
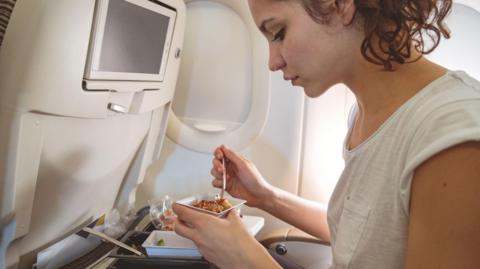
pixel 314 91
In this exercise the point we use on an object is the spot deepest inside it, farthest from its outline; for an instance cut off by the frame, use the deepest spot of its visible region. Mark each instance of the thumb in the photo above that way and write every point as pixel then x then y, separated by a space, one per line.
pixel 234 215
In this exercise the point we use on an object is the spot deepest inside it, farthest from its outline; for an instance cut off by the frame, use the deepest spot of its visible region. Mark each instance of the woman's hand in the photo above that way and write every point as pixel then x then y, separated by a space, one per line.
pixel 245 182
pixel 224 242
pixel 243 179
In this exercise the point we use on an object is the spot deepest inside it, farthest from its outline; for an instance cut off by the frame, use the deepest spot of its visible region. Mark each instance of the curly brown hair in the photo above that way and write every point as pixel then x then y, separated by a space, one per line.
pixel 392 27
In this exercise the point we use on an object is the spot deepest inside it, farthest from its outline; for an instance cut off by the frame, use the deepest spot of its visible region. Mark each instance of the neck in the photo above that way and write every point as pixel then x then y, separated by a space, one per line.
pixel 380 92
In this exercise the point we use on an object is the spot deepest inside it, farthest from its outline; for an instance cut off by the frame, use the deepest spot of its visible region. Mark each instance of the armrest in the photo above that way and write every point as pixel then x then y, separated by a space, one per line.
pixel 290 234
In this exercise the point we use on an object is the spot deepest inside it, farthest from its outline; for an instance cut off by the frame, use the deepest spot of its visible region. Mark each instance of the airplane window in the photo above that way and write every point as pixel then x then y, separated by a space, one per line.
pixel 460 52
pixel 214 88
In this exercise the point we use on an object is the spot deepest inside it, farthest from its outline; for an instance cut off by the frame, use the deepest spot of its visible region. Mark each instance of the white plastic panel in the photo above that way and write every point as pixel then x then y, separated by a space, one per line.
pixel 223 89
pixel 82 165
pixel 215 81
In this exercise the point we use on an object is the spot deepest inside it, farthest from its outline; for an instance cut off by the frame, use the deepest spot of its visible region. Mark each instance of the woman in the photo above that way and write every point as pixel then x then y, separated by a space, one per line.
pixel 408 196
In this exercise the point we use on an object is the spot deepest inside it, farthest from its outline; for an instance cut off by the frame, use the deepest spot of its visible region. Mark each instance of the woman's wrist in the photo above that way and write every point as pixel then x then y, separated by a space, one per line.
pixel 257 257
pixel 269 199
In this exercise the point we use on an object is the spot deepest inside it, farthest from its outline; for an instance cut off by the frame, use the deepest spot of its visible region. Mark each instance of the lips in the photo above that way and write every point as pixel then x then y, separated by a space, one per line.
pixel 292 78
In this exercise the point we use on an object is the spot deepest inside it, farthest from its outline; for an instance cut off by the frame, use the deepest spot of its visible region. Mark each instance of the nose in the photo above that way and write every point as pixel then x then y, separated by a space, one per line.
pixel 275 61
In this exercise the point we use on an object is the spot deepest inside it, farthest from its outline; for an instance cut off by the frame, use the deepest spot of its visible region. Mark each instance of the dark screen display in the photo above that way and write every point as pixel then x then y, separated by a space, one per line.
pixel 134 39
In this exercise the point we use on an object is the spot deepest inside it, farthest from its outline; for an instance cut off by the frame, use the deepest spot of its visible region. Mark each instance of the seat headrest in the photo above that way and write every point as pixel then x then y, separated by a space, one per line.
pixel 6 8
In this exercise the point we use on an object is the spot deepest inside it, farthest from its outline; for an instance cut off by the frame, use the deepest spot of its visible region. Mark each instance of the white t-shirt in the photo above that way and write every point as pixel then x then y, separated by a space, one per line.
pixel 368 213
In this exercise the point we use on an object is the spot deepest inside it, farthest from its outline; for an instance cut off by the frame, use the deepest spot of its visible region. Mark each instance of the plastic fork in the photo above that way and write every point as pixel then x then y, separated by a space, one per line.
pixel 224 181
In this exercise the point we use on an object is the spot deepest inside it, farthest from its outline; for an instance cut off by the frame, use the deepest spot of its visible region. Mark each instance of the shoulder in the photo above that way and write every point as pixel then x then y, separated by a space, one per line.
pixel 445 163
pixel 444 210
pixel 444 94
pixel 455 86
pixel 445 115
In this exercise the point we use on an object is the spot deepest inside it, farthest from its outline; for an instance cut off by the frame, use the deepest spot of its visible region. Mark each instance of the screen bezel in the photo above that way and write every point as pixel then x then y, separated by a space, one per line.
pixel 92 72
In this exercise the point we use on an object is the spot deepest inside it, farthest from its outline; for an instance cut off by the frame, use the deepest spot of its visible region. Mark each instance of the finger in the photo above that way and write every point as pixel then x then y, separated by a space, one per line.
pixel 215 173
pixel 232 155
pixel 217 165
pixel 226 150
pixel 234 216
pixel 218 153
pixel 184 230
pixel 235 213
pixel 217 183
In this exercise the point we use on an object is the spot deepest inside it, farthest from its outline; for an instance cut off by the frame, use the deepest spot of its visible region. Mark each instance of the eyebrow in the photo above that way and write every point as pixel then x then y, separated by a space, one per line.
pixel 262 26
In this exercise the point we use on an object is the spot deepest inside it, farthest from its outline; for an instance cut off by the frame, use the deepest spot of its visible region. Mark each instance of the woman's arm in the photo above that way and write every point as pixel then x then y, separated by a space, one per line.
pixel 444 229
pixel 245 181
pixel 308 216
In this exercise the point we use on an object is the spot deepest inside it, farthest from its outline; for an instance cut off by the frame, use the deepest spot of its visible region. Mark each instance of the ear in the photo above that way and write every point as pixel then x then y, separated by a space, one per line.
pixel 346 10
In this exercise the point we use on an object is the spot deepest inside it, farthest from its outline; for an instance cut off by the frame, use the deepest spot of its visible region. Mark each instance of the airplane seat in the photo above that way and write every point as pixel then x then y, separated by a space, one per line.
pixel 298 247
pixel 85 92
pixel 6 8
pixel 457 53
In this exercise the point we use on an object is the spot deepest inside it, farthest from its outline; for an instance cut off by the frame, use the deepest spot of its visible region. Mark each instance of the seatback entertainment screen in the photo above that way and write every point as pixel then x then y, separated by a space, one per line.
pixel 130 41
pixel 133 40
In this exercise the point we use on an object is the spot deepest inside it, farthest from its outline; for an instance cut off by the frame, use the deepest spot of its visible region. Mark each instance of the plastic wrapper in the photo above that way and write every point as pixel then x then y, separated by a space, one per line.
pixel 115 224
pixel 161 213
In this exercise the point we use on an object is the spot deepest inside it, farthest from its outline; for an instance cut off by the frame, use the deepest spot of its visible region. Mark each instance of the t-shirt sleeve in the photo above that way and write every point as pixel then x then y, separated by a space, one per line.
pixel 442 128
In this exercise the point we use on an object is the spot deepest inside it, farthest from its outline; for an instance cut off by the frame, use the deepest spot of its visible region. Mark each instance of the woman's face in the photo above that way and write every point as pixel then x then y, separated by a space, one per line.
pixel 312 55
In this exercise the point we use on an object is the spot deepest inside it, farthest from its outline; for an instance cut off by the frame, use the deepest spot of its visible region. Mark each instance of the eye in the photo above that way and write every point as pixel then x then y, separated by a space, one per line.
pixel 279 36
